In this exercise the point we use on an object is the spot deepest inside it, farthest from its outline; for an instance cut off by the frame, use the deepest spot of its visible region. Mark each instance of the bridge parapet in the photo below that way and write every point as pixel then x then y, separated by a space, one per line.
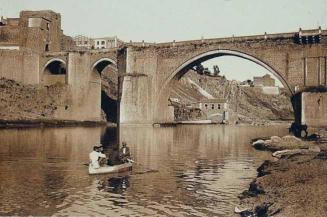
pixel 275 37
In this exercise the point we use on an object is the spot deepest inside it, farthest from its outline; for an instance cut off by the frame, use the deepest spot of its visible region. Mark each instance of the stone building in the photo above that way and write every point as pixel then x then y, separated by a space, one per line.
pixel 264 81
pixel 215 109
pixel 38 31
pixel 83 42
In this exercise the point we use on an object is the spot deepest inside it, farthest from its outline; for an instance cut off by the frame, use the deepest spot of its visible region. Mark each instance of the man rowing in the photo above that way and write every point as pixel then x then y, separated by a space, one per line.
pixel 124 153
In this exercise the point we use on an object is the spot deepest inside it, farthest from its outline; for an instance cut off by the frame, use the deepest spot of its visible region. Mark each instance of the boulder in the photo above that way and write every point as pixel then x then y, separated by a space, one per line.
pixel 288 152
pixel 259 144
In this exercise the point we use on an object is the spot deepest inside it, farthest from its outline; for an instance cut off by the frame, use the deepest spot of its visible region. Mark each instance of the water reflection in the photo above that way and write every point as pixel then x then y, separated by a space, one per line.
pixel 116 185
pixel 197 170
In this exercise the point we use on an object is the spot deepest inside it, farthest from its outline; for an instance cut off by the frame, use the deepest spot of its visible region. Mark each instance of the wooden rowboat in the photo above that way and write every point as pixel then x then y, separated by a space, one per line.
pixel 111 169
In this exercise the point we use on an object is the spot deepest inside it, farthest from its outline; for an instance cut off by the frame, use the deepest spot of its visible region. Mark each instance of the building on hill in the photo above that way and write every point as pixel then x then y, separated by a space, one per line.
pixel 267 84
pixel 215 109
pixel 107 42
pixel 264 81
pixel 83 42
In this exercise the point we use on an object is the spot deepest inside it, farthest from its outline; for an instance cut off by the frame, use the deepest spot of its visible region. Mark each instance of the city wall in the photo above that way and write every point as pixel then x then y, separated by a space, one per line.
pixel 22 66
pixel 79 90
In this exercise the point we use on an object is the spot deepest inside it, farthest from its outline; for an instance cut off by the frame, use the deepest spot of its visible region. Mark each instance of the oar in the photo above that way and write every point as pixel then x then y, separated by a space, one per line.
pixel 149 169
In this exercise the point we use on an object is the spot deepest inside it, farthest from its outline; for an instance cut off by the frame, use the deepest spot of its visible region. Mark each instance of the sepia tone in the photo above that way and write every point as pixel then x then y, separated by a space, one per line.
pixel 200 144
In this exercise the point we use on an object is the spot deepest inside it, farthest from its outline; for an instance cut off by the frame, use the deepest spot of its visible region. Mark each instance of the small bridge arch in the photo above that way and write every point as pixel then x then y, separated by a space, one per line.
pixel 55 66
pixel 102 63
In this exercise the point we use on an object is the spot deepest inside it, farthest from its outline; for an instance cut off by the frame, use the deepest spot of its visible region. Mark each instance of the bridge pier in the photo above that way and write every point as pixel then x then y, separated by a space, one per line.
pixel 314 109
pixel 136 100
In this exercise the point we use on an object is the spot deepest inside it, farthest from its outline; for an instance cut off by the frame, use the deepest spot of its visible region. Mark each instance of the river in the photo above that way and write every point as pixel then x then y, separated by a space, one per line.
pixel 189 170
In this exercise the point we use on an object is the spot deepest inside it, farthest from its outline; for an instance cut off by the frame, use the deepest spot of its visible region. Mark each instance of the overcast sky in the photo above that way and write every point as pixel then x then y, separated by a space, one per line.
pixel 167 20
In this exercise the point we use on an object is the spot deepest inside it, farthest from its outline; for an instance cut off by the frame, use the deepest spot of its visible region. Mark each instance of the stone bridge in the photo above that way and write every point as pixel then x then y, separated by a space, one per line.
pixel 297 59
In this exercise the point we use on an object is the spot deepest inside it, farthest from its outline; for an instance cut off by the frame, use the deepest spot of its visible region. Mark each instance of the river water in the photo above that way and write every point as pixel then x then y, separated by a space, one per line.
pixel 179 171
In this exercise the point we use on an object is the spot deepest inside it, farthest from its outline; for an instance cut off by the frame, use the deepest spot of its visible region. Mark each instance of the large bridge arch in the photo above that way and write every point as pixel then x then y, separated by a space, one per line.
pixel 162 113
pixel 183 68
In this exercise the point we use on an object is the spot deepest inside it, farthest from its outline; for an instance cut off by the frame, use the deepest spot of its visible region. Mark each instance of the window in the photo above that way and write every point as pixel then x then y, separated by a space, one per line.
pixel 218 106
pixel 102 42
pixel 47 47
pixel 85 42
pixel 206 106
pixel 98 42
pixel 34 22
pixel 212 106
pixel 48 26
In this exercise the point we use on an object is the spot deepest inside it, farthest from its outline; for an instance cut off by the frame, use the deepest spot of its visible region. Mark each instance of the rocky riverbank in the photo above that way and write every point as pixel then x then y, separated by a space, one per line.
pixel 26 105
pixel 294 184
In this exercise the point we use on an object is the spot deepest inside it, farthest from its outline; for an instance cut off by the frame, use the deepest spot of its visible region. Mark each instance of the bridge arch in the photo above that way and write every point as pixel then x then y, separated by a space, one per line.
pixel 161 114
pixel 55 66
pixel 102 63
pixel 182 69
pixel 99 70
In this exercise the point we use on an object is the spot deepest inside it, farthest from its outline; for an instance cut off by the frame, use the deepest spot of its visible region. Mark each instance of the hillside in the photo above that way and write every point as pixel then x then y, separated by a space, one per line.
pixel 247 104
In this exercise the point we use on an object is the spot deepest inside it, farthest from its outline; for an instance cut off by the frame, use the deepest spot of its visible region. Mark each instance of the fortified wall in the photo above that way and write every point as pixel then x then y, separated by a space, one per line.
pixel 33 51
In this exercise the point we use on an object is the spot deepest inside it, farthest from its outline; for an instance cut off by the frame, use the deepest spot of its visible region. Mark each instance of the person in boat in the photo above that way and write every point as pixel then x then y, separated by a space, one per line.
pixel 96 156
pixel 124 153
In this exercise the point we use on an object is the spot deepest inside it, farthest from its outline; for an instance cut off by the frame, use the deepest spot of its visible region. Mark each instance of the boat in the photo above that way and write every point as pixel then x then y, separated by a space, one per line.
pixel 111 169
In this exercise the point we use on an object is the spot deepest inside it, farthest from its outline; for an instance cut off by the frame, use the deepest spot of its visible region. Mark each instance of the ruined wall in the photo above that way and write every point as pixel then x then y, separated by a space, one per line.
pixel 314 109
pixel 38 35
pixel 9 35
pixel 22 66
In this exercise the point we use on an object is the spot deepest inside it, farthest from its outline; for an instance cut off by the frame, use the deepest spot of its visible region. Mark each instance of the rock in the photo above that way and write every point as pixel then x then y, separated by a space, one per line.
pixel 262 170
pixel 287 152
pixel 239 210
pixel 259 144
pixel 255 188
pixel 244 212
pixel 314 148
pixel 291 139
pixel 262 210
pixel 276 139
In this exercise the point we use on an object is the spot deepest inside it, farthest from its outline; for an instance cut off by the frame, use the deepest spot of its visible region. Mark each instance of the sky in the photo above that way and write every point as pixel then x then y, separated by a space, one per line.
pixel 168 20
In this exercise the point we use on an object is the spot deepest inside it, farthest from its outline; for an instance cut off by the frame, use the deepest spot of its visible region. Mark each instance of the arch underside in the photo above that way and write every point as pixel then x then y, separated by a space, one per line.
pixel 55 66
pixel 108 102
pixel 189 64
pixel 102 63
pixel 161 103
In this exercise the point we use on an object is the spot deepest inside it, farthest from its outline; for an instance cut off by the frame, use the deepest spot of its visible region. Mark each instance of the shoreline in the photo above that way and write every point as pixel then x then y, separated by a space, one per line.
pixel 4 124
pixel 293 184
pixel 7 124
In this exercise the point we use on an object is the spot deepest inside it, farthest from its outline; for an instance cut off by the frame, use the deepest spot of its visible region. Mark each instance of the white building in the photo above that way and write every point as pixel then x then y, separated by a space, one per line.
pixel 107 42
